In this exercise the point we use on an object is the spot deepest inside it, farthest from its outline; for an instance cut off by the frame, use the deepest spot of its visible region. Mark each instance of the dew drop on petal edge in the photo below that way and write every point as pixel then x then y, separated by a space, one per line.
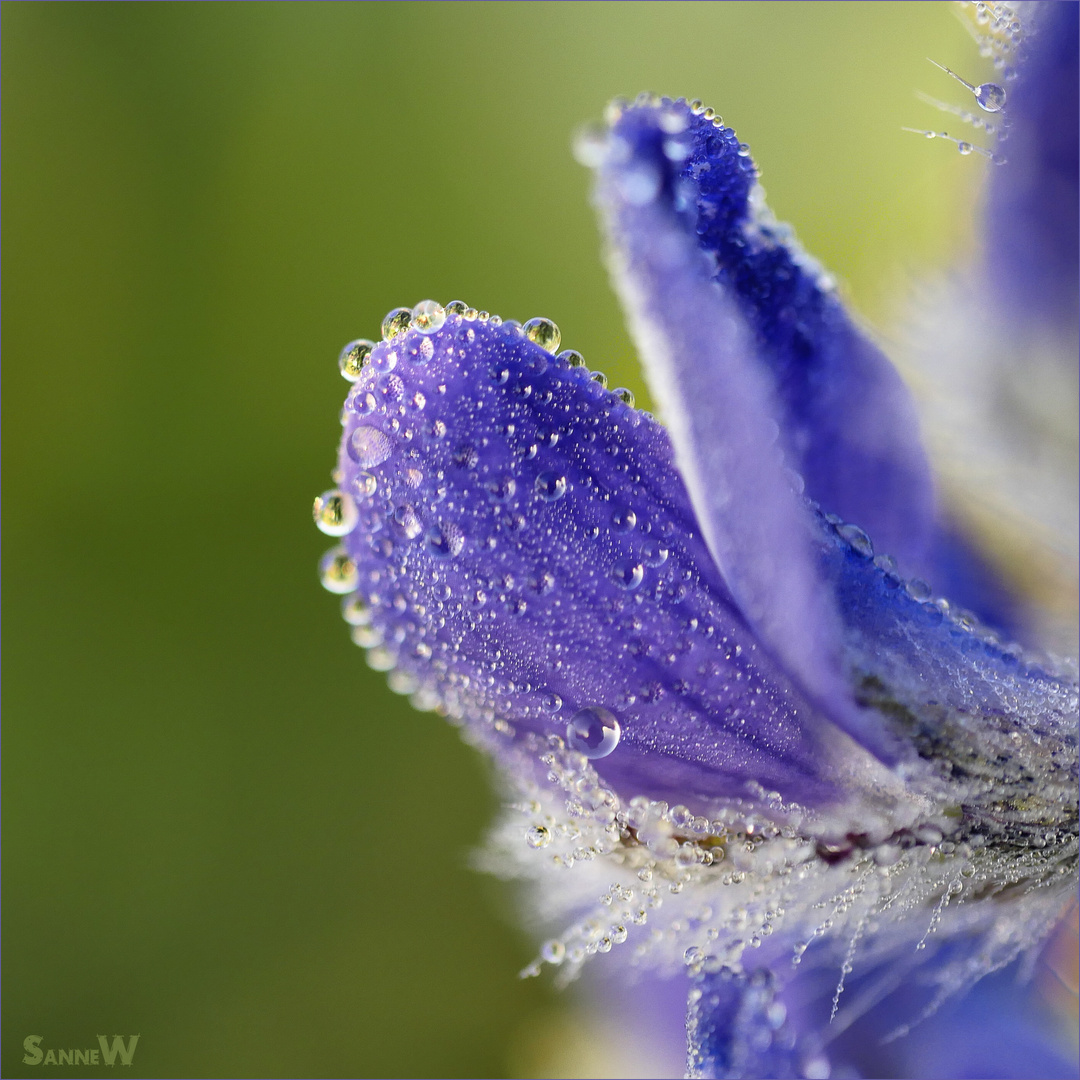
pixel 353 358
pixel 543 332
pixel 593 732
pixel 428 316
pixel 338 572
pixel 335 513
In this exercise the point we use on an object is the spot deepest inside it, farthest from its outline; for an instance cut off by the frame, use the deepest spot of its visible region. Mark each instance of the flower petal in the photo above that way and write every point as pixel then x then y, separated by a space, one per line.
pixel 1031 214
pixel 848 425
pixel 526 550
pixel 737 1029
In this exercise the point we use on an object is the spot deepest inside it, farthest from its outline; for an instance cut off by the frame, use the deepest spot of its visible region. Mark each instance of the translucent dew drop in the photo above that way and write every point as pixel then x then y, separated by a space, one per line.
pixel 572 357
pixel 338 572
pixel 537 837
pixel 553 952
pixel 456 308
pixel 335 513
pixel 368 446
pixel 364 484
pixel 543 332
pixel 594 732
pixel 444 540
pixel 353 357
pixel 857 540
pixel 428 316
pixel 396 322
pixel 550 486
pixel 627 573
pixel 990 97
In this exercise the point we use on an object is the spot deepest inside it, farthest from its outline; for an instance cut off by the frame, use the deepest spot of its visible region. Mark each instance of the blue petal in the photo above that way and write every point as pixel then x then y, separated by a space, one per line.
pixel 1031 214
pixel 848 424
pixel 526 550
pixel 737 1028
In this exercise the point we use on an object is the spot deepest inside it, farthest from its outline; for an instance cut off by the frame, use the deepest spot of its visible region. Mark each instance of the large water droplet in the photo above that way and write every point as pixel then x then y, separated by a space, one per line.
pixel 444 540
pixel 369 446
pixel 335 513
pixel 857 540
pixel 406 518
pixel 537 836
pixel 991 97
pixel 353 357
pixel 396 322
pixel 428 316
pixel 550 486
pixel 364 484
pixel 338 572
pixel 501 488
pixel 543 332
pixel 627 573
pixel 593 732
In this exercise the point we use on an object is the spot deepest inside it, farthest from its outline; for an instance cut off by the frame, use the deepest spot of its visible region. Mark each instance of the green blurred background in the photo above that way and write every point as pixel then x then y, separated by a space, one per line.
pixel 221 830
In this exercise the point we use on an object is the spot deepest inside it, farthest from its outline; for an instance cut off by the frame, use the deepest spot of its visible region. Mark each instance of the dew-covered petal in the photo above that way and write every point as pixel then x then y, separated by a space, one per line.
pixel 848 426
pixel 527 551
pixel 1031 212
pixel 717 397
pixel 738 1029
pixel 994 729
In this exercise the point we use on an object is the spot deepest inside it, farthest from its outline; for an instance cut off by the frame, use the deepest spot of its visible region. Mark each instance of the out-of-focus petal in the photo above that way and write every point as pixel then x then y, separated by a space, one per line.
pixel 526 549
pixel 738 1029
pixel 848 425
pixel 1032 225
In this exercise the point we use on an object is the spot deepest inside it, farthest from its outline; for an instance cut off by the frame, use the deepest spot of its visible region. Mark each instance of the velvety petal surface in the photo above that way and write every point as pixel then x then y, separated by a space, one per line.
pixel 525 549
pixel 847 421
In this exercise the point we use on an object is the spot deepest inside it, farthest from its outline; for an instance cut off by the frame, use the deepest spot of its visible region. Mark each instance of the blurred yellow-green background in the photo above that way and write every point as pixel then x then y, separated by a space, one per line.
pixel 221 830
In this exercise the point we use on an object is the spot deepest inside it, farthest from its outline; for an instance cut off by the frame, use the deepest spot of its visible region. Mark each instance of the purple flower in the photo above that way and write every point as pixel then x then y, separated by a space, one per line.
pixel 722 696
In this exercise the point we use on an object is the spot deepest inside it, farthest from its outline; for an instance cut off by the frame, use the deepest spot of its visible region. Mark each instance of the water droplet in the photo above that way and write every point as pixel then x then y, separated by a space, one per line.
pixel 355 612
pixel 335 513
pixel 623 519
pixel 554 952
pixel 625 396
pixel 537 837
pixel 599 378
pixel 571 357
pixel 543 332
pixel 428 316
pixel 456 307
pixel 964 147
pixel 364 484
pixel 353 357
pixel 918 590
pixel 406 519
pixel 593 732
pixel 445 540
pixel 424 351
pixel 384 360
pixel 550 486
pixel 396 322
pixel 653 552
pixel 552 703
pixel 501 488
pixel 627 573
pixel 363 404
pixel 991 97
pixel 857 540
pixel 368 446
pixel 338 572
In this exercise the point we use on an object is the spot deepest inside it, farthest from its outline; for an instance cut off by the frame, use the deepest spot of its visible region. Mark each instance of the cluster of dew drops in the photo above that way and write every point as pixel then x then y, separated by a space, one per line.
pixel 593 731
pixel 998 33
